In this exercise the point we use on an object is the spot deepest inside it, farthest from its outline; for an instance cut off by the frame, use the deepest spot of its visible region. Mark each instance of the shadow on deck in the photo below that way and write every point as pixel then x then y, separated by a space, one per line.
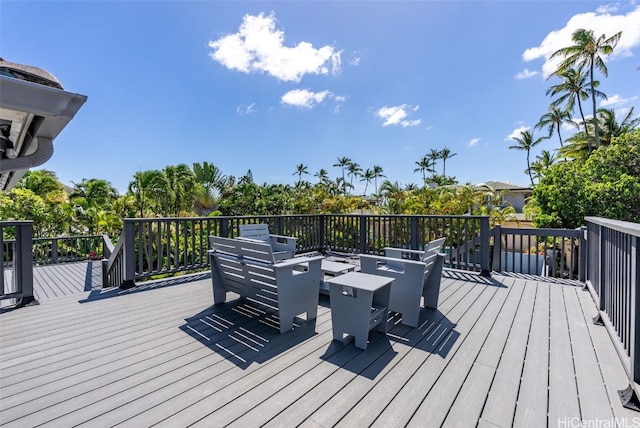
pixel 501 351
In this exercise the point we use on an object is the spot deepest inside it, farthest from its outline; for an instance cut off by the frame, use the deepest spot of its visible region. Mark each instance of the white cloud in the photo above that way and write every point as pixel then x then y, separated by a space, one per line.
pixel 304 98
pixel 251 108
pixel 474 142
pixel 526 73
pixel 259 47
pixel 616 100
pixel 355 60
pixel 397 115
pixel 516 133
pixel 601 22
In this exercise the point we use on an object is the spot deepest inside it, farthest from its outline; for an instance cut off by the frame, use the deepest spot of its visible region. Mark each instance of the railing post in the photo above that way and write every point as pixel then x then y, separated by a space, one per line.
pixel 224 228
pixel 23 264
pixel 602 268
pixel 414 233
pixel 129 254
pixel 582 255
pixel 635 279
pixel 1 261
pixel 484 247
pixel 54 250
pixel 496 264
pixel 321 232
pixel 363 234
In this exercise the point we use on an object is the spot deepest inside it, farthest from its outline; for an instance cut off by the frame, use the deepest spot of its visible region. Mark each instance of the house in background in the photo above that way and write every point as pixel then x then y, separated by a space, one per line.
pixel 507 194
pixel 34 109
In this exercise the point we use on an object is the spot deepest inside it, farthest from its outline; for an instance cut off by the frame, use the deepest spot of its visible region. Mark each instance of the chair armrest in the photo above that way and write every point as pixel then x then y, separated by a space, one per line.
pixel 283 237
pixel 395 267
pixel 397 252
pixel 391 259
pixel 296 261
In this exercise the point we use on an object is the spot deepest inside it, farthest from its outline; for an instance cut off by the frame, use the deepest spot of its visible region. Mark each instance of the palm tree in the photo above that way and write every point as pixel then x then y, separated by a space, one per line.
pixel 434 155
pixel 610 127
pixel 181 182
pixel 94 193
pixel 210 176
pixel 424 166
pixel 367 176
pixel 553 120
pixel 586 52
pixel 445 154
pixel 343 162
pixel 542 164
pixel 146 186
pixel 41 182
pixel 377 173
pixel 323 175
pixel 353 170
pixel 526 143
pixel 574 86
pixel 300 169
pixel 577 146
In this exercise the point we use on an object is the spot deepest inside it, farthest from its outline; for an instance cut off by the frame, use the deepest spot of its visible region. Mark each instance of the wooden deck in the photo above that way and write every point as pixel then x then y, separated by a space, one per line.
pixel 64 279
pixel 498 352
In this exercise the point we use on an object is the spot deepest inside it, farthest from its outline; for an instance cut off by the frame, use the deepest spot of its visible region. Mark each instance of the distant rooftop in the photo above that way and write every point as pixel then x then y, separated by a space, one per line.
pixel 29 73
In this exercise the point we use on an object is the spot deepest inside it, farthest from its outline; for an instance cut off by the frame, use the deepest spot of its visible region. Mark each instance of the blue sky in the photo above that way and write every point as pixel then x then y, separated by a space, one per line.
pixel 268 85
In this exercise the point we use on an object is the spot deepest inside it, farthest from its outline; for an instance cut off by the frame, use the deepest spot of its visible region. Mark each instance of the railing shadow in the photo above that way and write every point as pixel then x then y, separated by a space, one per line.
pixel 461 275
pixel 245 332
pixel 109 293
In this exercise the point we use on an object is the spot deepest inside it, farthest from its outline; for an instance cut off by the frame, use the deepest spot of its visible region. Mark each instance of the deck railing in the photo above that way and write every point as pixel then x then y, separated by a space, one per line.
pixel 547 252
pixel 162 246
pixel 21 286
pixel 59 249
pixel 613 277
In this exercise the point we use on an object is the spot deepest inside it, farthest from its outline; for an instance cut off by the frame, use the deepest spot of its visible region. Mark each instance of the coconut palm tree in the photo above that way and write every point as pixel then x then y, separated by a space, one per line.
pixel 587 51
pixel 526 143
pixel 553 120
pixel 424 165
pixel 542 164
pixel 377 173
pixel 577 146
pixel 41 182
pixel 573 90
pixel 434 155
pixel 323 175
pixel 445 154
pixel 300 169
pixel 343 162
pixel 353 170
pixel 367 176
pixel 609 126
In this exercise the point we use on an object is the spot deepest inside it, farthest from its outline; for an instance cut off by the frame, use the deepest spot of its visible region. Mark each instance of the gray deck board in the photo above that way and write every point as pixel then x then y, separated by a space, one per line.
pixel 470 401
pixel 563 392
pixel 594 399
pixel 163 354
pixel 502 398
pixel 58 280
pixel 533 394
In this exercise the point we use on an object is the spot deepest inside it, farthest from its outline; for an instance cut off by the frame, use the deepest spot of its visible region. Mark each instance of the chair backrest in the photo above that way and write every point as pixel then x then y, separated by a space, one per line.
pixel 255 231
pixel 429 262
pixel 433 247
pixel 248 250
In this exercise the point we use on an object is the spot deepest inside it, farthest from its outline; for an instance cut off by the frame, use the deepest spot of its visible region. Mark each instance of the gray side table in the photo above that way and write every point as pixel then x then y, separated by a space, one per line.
pixel 359 303
pixel 333 269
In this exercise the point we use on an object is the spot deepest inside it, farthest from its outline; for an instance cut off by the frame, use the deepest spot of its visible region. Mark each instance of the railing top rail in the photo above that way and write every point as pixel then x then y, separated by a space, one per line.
pixel 48 238
pixel 621 226
pixel 16 223
pixel 134 220
pixel 541 232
